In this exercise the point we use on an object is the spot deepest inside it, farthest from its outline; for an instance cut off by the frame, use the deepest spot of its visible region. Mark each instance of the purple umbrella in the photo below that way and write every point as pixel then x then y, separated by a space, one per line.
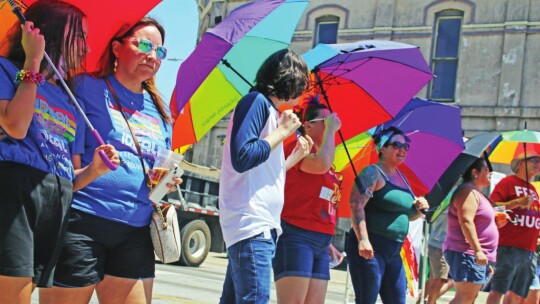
pixel 367 82
pixel 223 65
pixel 436 140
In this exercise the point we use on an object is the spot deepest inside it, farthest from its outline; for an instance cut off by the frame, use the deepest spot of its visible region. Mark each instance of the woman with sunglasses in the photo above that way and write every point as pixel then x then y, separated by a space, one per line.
pixel 380 212
pixel 108 246
pixel 308 219
pixel 41 137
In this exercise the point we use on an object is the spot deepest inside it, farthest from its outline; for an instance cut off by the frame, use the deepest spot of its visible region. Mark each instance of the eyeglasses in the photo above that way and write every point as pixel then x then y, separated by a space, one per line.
pixel 146 46
pixel 399 145
pixel 534 160
pixel 317 119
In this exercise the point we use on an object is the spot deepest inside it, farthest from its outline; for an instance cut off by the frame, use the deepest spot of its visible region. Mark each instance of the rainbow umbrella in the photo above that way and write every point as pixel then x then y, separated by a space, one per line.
pixel 222 67
pixel 514 143
pixel 366 82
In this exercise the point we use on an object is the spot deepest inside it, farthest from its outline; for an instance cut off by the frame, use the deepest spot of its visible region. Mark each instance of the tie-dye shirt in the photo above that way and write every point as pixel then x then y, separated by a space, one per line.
pixel 55 134
pixel 120 195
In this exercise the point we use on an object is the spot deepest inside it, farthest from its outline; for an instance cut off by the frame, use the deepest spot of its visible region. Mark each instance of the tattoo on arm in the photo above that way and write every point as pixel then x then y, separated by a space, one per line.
pixel 358 198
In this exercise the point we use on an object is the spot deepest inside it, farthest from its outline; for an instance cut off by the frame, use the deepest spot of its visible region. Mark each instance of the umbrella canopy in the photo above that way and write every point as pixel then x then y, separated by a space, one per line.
pixel 104 19
pixel 474 149
pixel 514 143
pixel 206 88
pixel 436 140
pixel 367 82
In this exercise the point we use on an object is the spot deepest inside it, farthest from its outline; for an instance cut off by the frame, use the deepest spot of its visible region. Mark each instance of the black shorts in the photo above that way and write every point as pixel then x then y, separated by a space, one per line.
pixel 34 207
pixel 95 246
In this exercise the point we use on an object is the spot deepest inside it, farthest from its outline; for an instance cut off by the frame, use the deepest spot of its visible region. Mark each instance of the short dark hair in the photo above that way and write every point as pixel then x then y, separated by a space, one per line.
pixel 283 75
pixel 478 165
pixel 51 17
pixel 310 110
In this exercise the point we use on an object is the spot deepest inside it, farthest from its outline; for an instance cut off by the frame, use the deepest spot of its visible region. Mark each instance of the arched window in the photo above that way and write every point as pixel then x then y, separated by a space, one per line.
pixel 445 55
pixel 326 29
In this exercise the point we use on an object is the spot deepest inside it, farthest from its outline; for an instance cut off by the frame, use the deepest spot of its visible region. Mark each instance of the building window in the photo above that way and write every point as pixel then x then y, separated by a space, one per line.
pixel 444 63
pixel 326 29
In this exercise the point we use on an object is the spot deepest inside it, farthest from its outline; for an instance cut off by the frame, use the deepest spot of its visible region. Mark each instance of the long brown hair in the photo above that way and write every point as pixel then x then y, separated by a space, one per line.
pixel 107 59
pixel 51 17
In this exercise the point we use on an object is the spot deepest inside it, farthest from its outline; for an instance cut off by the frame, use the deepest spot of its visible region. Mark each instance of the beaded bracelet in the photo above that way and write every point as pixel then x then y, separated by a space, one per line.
pixel 29 76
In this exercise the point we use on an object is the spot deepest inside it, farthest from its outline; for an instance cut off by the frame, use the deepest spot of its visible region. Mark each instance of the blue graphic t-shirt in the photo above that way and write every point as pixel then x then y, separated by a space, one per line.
pixel 120 195
pixel 55 133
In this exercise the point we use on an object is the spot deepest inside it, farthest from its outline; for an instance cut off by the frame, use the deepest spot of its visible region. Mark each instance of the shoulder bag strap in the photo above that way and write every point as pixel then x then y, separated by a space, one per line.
pixel 137 145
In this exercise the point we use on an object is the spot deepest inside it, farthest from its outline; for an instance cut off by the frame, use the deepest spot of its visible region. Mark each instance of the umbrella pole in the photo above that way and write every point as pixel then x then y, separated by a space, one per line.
pixel 227 64
pixel 323 93
pixel 106 160
pixel 525 154
pixel 424 261
pixel 526 169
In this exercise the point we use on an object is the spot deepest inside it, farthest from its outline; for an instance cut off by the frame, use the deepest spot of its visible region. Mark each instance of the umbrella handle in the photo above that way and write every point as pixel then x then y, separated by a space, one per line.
pixel 106 160
pixel 101 153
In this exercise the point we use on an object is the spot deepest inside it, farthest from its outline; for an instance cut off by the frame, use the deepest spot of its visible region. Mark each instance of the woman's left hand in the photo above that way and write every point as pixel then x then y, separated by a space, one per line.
pixel 172 187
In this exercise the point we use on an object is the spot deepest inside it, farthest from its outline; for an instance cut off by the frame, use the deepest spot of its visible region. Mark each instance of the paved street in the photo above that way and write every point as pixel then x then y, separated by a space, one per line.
pixel 187 285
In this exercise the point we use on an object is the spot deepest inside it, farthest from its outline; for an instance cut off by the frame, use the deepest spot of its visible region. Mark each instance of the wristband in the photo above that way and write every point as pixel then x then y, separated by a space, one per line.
pixel 29 76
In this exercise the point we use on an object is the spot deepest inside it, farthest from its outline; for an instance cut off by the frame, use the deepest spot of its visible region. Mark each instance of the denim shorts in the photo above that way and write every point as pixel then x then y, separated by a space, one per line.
pixel 515 270
pixel 463 268
pixel 302 253
pixel 249 271
pixel 94 247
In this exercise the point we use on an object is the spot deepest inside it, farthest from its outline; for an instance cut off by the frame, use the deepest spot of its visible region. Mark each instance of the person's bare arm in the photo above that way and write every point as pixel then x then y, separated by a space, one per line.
pixel 84 176
pixel 358 200
pixel 301 150
pixel 523 201
pixel 17 114
pixel 321 161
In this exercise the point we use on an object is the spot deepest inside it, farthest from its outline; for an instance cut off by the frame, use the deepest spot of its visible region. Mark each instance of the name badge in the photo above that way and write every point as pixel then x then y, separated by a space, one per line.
pixel 326 193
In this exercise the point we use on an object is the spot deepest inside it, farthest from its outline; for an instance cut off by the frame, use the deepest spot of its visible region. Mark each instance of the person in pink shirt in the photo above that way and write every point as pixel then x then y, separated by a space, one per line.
pixel 471 240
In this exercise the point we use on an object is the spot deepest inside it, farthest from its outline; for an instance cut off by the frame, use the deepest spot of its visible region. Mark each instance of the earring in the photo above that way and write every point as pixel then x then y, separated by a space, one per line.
pixel 115 63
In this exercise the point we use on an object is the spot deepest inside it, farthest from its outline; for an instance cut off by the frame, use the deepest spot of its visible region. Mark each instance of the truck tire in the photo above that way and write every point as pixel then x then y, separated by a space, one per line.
pixel 196 241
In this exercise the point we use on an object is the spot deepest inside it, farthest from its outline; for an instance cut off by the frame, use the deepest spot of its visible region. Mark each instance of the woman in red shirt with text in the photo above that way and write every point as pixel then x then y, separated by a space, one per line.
pixel 301 264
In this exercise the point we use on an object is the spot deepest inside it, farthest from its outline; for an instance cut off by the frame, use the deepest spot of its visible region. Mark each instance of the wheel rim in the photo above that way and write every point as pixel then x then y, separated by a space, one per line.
pixel 197 244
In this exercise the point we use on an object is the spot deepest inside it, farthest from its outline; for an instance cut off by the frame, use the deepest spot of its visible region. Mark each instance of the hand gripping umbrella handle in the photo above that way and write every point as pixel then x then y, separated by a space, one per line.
pixel 106 160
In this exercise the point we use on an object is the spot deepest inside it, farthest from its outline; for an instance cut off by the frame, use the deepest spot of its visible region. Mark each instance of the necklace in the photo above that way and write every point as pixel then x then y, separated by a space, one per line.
pixel 127 96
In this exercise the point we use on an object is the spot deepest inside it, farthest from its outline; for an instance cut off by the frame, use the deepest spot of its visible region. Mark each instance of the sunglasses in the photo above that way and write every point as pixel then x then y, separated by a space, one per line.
pixel 317 119
pixel 399 145
pixel 534 160
pixel 146 46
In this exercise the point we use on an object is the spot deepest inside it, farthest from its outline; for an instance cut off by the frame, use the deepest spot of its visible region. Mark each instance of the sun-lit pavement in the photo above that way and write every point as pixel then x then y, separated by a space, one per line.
pixel 187 285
